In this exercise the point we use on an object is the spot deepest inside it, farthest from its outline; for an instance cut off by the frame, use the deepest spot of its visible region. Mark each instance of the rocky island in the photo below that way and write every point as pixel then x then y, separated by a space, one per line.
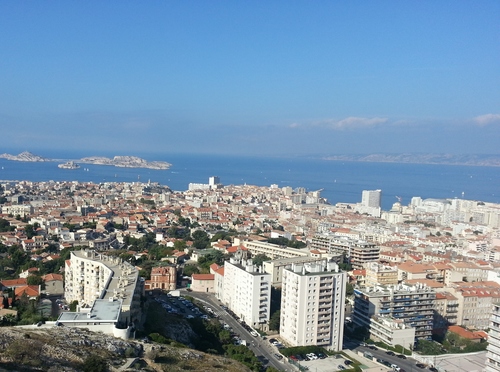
pixel 126 162
pixel 117 161
pixel 24 156
pixel 69 165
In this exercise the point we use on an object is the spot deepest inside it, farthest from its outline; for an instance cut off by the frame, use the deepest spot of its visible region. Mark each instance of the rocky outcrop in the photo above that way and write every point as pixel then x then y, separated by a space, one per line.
pixel 126 162
pixel 24 156
pixel 56 349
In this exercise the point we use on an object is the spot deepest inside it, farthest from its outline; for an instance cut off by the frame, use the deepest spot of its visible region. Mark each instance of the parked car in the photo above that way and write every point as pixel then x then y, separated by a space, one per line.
pixel 391 353
pixel 293 357
pixel 420 365
pixel 278 356
pixel 401 356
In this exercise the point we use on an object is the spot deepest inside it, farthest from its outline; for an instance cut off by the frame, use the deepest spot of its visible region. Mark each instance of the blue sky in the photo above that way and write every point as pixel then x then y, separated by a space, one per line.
pixel 250 77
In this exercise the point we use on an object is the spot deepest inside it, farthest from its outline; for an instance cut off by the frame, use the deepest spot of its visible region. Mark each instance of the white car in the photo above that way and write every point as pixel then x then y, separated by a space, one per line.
pixel 254 334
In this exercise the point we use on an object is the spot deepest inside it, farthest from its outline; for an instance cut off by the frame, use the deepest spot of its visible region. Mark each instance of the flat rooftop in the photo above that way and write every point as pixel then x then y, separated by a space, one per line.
pixel 101 311
pixel 124 278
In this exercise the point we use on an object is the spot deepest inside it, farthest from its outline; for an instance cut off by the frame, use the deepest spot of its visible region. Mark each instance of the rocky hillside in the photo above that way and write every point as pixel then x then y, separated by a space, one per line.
pixel 73 349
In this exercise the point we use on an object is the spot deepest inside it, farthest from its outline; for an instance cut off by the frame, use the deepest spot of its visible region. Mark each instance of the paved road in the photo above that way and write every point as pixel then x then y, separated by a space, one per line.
pixel 409 364
pixel 261 348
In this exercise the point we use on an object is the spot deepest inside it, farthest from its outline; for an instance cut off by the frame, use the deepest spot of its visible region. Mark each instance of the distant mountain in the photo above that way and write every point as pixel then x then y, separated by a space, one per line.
pixel 449 159
pixel 24 156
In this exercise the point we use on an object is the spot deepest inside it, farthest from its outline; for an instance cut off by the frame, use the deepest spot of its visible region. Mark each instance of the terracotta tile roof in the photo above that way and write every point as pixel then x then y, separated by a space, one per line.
pixel 203 276
pixel 465 333
pixel 29 290
pixel 14 282
pixel 52 276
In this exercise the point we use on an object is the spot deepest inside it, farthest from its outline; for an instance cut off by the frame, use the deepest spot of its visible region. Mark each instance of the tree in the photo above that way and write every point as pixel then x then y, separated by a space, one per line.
pixel 34 280
pixel 349 289
pixel 73 305
pixel 259 259
pixel 274 321
pixel 225 337
pixel 180 245
pixel 201 239
pixel 190 270
pixel 29 231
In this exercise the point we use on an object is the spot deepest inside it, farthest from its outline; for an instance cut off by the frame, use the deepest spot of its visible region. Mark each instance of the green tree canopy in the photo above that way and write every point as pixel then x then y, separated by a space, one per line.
pixel 259 259
pixel 274 321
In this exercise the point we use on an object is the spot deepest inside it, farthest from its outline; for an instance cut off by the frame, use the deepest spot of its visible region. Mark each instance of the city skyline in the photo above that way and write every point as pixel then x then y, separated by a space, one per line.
pixel 246 78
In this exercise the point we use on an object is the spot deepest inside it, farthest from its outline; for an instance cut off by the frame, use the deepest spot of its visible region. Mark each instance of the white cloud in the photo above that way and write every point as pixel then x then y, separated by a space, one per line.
pixel 356 122
pixel 294 125
pixel 487 119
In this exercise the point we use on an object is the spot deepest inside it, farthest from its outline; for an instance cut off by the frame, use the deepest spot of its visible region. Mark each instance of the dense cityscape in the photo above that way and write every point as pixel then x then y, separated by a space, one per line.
pixel 279 272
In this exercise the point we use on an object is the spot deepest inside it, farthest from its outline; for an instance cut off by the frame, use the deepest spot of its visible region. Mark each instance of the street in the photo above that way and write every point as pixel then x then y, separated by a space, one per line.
pixel 261 348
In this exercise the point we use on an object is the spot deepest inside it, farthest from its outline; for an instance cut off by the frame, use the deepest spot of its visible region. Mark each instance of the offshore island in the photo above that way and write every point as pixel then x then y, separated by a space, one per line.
pixel 117 161
pixel 478 160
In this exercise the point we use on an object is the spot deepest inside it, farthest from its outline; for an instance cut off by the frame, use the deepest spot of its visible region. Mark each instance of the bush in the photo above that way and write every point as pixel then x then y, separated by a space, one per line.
pixel 95 363
pixel 130 352
pixel 302 350
pixel 156 337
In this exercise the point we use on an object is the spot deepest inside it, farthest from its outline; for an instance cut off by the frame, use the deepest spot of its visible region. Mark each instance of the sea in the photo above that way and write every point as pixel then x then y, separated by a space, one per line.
pixel 340 181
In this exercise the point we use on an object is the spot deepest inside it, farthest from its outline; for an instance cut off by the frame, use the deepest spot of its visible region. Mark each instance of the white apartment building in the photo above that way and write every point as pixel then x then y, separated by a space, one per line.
pixel 412 304
pixel 358 252
pixel 247 291
pixel 90 276
pixel 371 198
pixel 312 305
pixel 392 331
pixel 22 210
pixel 493 355
pixel 276 267
pixel 272 251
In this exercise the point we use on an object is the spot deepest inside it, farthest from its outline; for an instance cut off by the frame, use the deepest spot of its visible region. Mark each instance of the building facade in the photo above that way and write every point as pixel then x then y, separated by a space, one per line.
pixel 493 354
pixel 247 292
pixel 163 277
pixel 412 304
pixel 312 305
pixel 90 276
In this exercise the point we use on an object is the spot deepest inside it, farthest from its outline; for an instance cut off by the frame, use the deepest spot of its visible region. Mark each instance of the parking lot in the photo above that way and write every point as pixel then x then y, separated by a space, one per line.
pixel 180 306
pixel 323 363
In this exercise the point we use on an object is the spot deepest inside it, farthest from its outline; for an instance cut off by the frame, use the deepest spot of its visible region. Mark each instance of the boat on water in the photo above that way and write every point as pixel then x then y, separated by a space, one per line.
pixel 69 165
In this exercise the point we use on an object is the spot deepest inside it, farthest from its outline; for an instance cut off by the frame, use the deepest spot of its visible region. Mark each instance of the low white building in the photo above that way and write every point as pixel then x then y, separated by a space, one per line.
pixel 392 331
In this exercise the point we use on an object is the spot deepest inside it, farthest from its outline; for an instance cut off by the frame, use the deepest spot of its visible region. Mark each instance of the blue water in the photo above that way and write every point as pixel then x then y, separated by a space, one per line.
pixel 340 181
